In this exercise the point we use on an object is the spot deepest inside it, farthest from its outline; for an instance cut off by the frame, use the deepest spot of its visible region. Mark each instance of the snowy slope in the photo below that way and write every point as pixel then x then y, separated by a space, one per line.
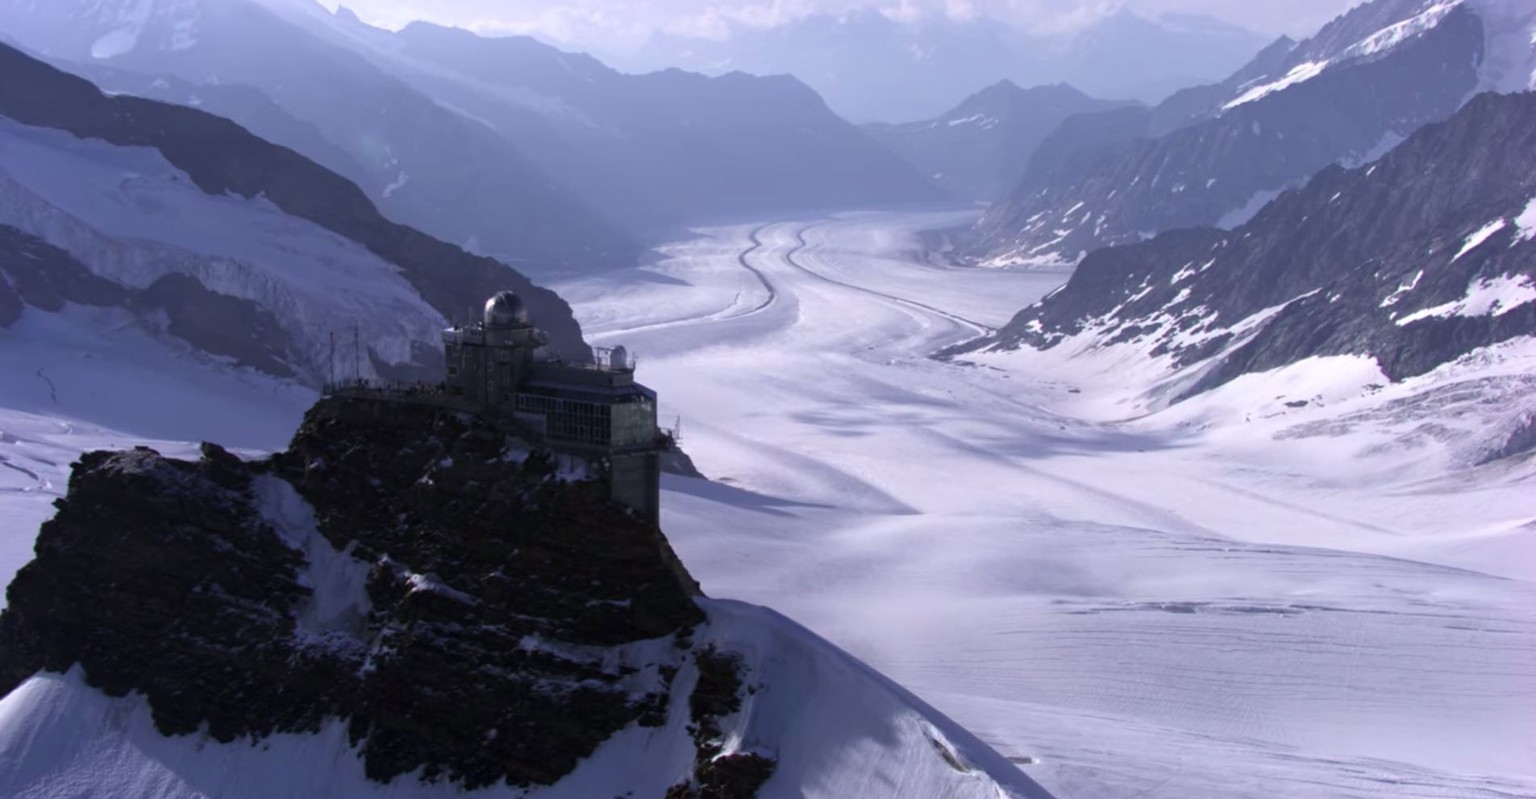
pixel 838 730
pixel 1507 63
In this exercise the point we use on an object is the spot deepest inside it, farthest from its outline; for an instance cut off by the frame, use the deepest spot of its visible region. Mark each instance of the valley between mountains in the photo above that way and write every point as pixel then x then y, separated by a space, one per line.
pixel 1273 589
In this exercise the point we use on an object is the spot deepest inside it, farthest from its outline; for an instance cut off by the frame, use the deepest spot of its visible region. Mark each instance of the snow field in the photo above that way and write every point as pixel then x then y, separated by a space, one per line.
pixel 1236 596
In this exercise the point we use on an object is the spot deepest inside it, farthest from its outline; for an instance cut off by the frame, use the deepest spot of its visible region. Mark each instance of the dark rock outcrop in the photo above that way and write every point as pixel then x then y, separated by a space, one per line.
pixel 1414 260
pixel 717 695
pixel 222 157
pixel 466 609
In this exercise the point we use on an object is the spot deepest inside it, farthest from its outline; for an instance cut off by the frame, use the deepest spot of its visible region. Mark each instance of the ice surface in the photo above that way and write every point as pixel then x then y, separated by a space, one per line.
pixel 1297 585
pixel 1509 60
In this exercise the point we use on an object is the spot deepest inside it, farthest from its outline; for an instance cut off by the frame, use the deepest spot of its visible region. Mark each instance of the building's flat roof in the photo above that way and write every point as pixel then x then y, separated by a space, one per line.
pixel 589 392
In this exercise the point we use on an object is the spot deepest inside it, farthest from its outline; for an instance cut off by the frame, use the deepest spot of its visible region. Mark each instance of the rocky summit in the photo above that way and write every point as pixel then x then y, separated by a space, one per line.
pixel 476 613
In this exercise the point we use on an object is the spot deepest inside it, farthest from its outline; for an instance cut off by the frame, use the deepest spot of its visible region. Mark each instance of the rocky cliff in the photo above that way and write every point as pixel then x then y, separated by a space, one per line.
pixel 406 603
pixel 474 612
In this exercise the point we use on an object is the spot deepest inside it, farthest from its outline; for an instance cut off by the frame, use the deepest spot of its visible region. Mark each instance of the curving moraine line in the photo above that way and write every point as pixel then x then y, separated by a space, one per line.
pixel 789 258
pixel 722 315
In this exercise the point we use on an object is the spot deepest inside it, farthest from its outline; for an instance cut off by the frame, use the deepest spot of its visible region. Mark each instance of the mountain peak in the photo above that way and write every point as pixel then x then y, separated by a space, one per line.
pixel 347 16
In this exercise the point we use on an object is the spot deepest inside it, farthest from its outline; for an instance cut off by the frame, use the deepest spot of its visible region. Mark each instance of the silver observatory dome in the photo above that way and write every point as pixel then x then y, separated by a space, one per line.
pixel 505 310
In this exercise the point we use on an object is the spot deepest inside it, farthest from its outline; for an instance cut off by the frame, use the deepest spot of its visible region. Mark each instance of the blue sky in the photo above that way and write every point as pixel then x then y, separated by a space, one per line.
pixel 607 24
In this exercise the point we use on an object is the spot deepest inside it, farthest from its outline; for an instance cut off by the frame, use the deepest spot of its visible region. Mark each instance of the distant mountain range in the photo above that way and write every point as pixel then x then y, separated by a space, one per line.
pixel 647 150
pixel 508 147
pixel 980 149
pixel 1414 260
pixel 1214 155
pixel 873 68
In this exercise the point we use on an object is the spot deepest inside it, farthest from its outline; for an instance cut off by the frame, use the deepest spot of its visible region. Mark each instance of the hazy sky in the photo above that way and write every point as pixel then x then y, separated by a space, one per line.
pixel 609 24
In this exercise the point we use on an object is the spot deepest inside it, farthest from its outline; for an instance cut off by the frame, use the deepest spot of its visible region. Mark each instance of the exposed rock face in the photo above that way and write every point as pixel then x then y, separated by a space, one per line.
pixel 1214 155
pixel 221 157
pixel 1415 260
pixel 979 150
pixel 717 695
pixel 465 607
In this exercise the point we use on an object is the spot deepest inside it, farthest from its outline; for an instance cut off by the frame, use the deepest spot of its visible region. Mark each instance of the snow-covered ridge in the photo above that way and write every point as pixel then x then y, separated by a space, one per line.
pixel 130 216
pixel 1509 58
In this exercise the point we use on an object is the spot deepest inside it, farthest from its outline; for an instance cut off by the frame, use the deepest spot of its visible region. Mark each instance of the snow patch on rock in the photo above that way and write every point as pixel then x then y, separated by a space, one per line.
pixel 1494 296
pixel 1526 221
pixel 1298 74
pixel 116 43
pixel 337 610
pixel 1394 35
pixel 1476 239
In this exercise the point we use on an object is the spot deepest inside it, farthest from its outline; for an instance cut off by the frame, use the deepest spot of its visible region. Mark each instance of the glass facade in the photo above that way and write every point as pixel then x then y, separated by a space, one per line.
pixel 604 421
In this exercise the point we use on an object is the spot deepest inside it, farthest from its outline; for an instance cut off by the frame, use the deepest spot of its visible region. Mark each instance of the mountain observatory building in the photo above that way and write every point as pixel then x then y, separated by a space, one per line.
pixel 500 367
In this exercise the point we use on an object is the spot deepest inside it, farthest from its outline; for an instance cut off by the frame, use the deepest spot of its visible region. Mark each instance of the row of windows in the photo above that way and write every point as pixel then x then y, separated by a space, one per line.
pixel 592 423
